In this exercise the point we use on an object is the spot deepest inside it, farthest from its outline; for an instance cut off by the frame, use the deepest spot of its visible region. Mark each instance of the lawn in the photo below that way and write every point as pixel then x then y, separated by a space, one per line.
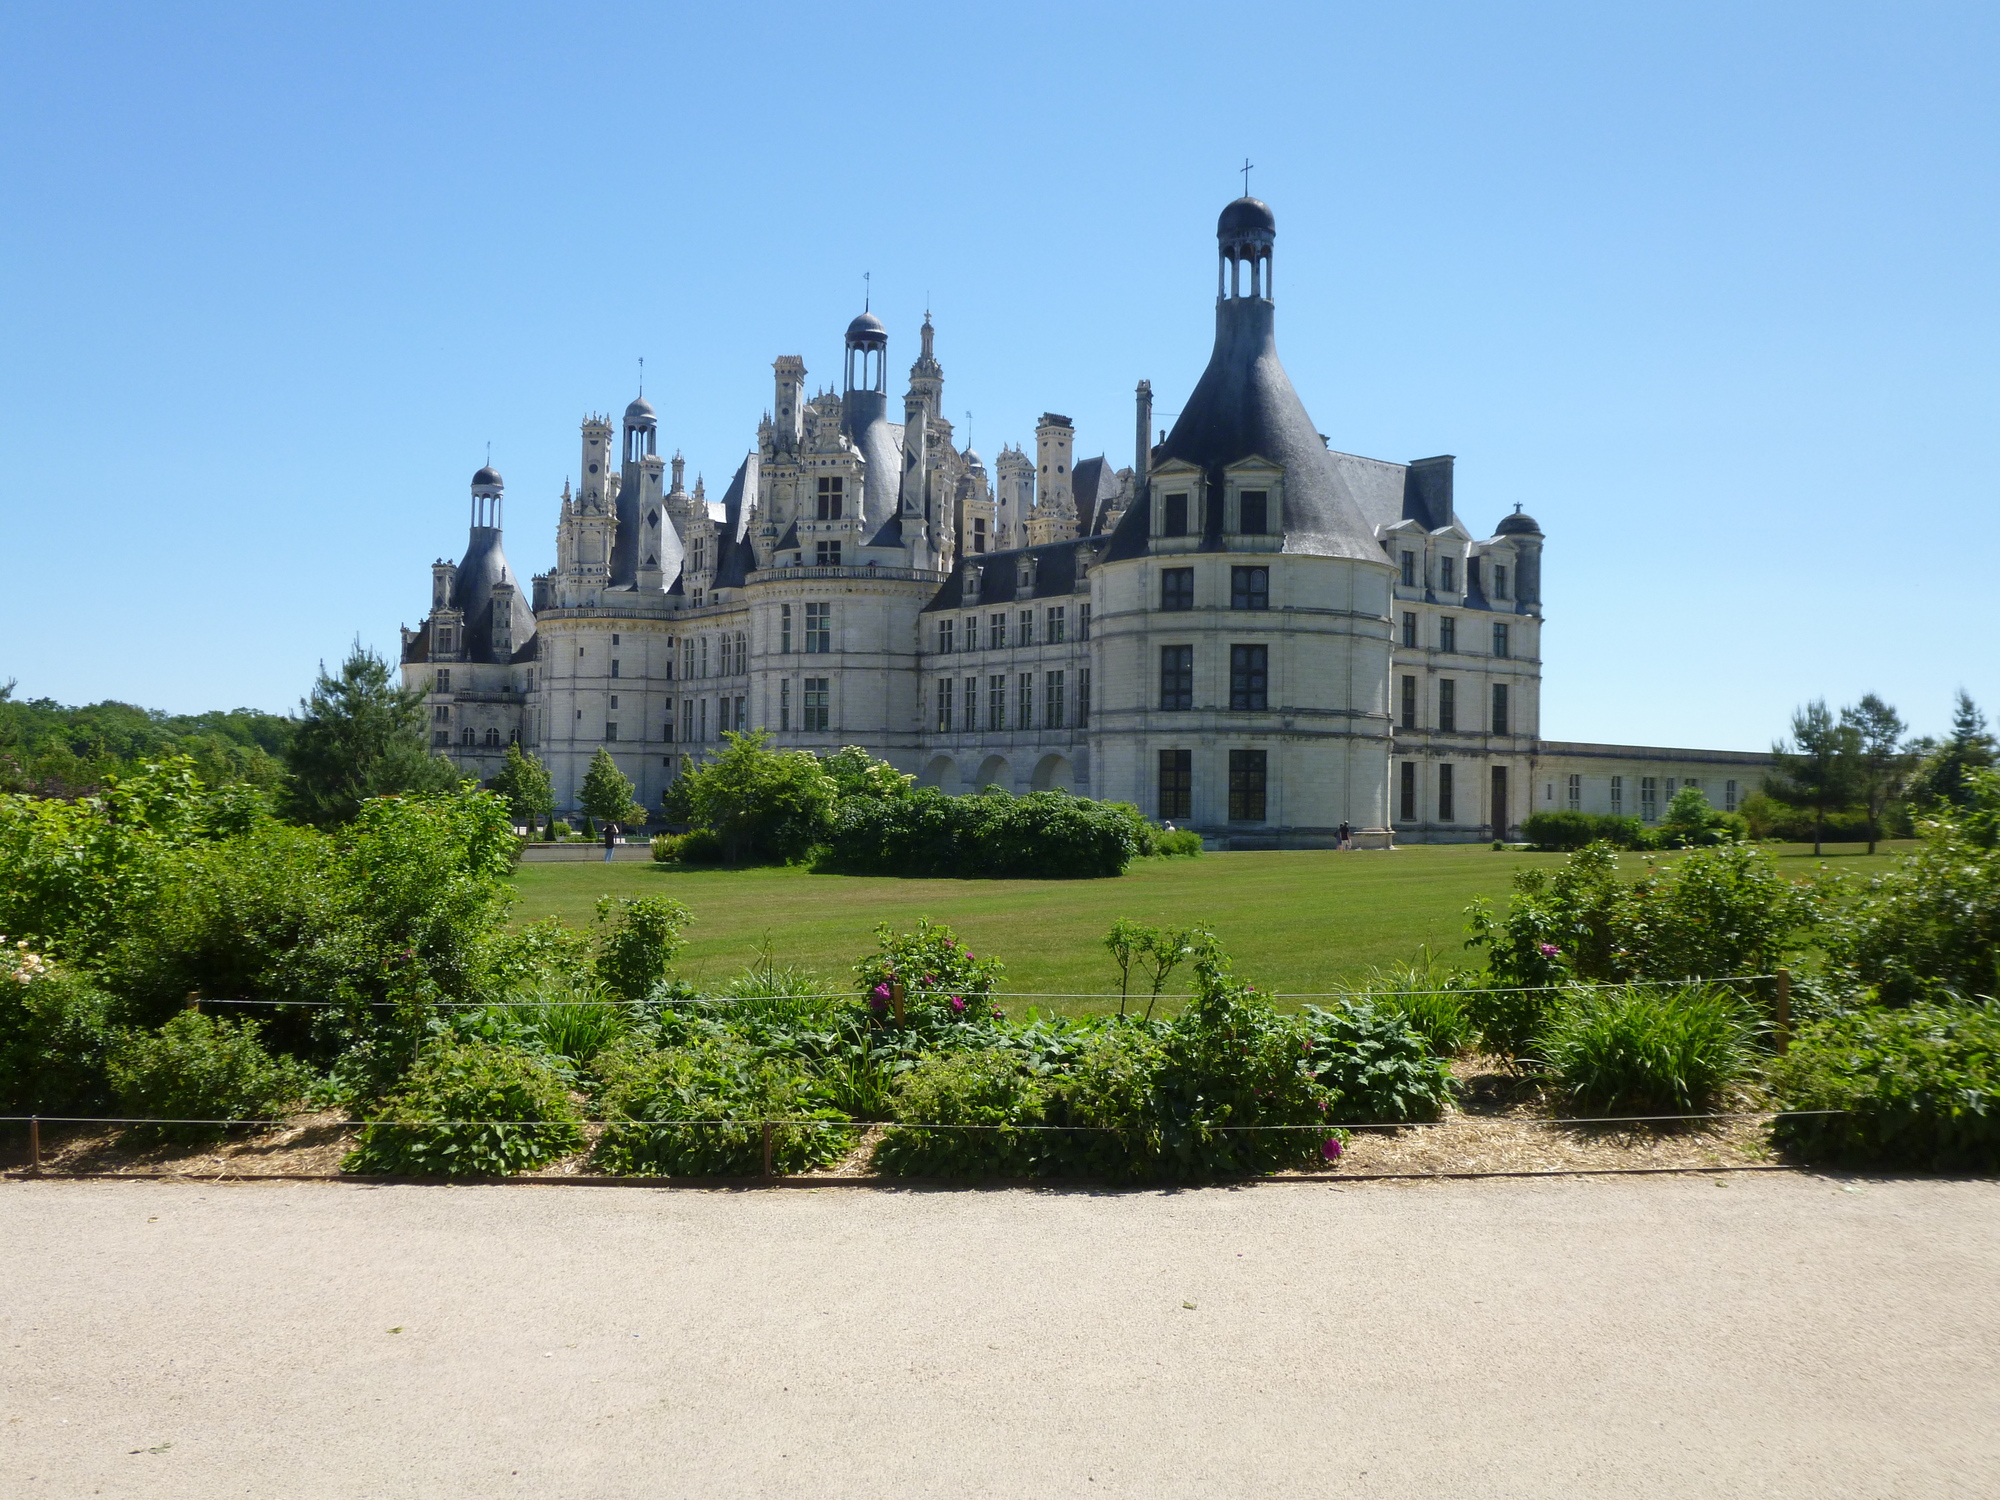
pixel 1296 921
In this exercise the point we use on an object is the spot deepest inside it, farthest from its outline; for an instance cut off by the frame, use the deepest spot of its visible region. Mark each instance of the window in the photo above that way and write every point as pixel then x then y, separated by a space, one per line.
pixel 704 656
pixel 1176 677
pixel 1499 581
pixel 742 714
pixel 1670 789
pixel 819 627
pixel 687 657
pixel 784 703
pixel 442 713
pixel 1058 626
pixel 441 738
pixel 996 630
pixel 1082 696
pixel 1729 796
pixel 1447 705
pixel 971 633
pixel 1083 622
pixel 1173 516
pixel 742 653
pixel 700 554
pixel 1409 578
pixel 614 700
pixel 1446 814
pixel 785 629
pixel 979 533
pixel 1246 786
pixel 1027 630
pixel 996 702
pixel 1618 796
pixel 1249 676
pixel 1448 574
pixel 1649 798
pixel 1447 632
pixel 1054 700
pixel 1176 784
pixel 667 730
pixel 1410 628
pixel 944 696
pixel 945 630
pixel 446 635
pixel 1406 799
pixel 1024 701
pixel 1249 588
pixel 1499 708
pixel 832 495
pixel 1500 640
pixel 1575 793
pixel 1176 588
pixel 816 704
pixel 1409 704
pixel 1253 511
pixel 442 683
pixel 611 731
pixel 614 637
pixel 826 554
pixel 687 718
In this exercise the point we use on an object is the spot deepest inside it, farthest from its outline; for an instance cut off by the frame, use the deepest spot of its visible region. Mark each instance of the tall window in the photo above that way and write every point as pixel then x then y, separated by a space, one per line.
pixel 832 498
pixel 1409 627
pixel 979 533
pixel 784 703
pixel 1447 632
pixel 442 683
pixel 1054 700
pixel 742 653
pixel 1409 578
pixel 944 696
pixel 1618 796
pixel 945 631
pixel 1446 813
pixel 687 718
pixel 1575 792
pixel 996 630
pixel 1246 786
pixel 1176 784
pixel 700 554
pixel 819 627
pixel 1083 622
pixel 1024 701
pixel 1026 622
pixel 816 704
pixel 971 633
pixel 1176 677
pixel 1407 793
pixel 610 733
pixel 1082 697
pixel 1174 516
pixel 1500 640
pixel 1447 705
pixel 1729 796
pixel 1499 708
pixel 441 738
pixel 687 657
pixel 826 554
pixel 1409 705
pixel 1177 588
pixel 704 656
pixel 1249 676
pixel 1448 574
pixel 614 666
pixel 971 705
pixel 1499 581
pixel 667 731
pixel 742 714
pixel 785 629
pixel 1253 510
pixel 1649 798
pixel 996 702
pixel 1249 588
pixel 1058 625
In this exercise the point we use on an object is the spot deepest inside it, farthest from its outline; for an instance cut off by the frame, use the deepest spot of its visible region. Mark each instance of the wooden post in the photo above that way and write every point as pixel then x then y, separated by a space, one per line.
pixel 767 1151
pixel 194 1000
pixel 896 999
pixel 35 1144
pixel 1782 1011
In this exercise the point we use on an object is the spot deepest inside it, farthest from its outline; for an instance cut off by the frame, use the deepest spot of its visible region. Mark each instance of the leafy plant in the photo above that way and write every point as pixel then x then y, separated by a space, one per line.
pixel 942 982
pixel 1642 1049
pixel 201 1069
pixel 1565 831
pixel 566 1019
pixel 645 934
pixel 470 1109
pixel 54 1036
pixel 1047 835
pixel 606 793
pixel 1156 952
pixel 1918 1087
pixel 1374 1067
pixel 1429 998
pixel 763 805
pixel 980 1102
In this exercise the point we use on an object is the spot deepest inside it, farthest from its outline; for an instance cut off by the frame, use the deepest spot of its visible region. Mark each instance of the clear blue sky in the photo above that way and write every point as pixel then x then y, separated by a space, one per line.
pixel 1709 288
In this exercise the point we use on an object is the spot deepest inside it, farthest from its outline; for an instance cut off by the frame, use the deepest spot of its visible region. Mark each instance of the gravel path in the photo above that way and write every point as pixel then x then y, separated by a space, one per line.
pixel 1772 1335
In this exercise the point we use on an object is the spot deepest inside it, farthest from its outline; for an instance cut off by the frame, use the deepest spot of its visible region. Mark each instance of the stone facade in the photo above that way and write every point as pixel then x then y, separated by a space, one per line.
pixel 1246 632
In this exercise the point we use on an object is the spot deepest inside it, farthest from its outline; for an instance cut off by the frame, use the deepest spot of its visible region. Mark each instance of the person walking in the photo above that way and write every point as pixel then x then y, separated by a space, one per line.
pixel 610 838
pixel 1346 835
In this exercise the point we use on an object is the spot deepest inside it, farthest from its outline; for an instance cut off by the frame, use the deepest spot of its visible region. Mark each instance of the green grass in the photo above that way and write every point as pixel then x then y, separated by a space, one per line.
pixel 1296 921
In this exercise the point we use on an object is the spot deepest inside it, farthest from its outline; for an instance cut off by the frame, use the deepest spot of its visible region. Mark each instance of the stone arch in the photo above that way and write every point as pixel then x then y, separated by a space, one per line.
pixel 994 771
pixel 1053 772
pixel 942 773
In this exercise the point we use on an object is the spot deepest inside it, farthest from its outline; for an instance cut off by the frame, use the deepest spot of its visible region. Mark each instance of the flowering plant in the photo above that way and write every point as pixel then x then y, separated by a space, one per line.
pixel 939 978
pixel 22 964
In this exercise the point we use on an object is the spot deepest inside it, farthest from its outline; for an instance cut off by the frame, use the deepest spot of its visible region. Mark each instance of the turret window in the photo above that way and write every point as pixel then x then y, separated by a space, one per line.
pixel 1247 773
pixel 1176 784
pixel 1176 588
pixel 819 627
pixel 785 629
pixel 1176 678
pixel 1174 516
pixel 832 497
pixel 1249 677
pixel 1249 588
pixel 1253 511
pixel 1447 813
pixel 816 704
pixel 826 554
pixel 614 666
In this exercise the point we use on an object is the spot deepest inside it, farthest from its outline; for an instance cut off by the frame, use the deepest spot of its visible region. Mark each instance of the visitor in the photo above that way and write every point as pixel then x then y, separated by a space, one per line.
pixel 610 838
pixel 1346 835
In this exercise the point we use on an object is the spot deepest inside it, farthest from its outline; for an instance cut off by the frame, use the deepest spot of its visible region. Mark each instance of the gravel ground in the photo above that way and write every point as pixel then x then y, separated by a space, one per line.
pixel 1755 1334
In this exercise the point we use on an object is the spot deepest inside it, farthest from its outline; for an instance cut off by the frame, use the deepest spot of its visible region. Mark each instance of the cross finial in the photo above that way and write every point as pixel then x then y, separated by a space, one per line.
pixel 642 375
pixel 1245 170
pixel 867 288
pixel 489 455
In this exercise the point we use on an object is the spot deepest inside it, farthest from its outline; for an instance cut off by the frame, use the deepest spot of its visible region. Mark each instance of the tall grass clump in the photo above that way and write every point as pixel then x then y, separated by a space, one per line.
pixel 1430 1000
pixel 1643 1049
pixel 567 1019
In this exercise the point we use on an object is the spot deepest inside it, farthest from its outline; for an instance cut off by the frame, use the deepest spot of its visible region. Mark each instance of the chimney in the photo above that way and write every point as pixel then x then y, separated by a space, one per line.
pixel 1142 456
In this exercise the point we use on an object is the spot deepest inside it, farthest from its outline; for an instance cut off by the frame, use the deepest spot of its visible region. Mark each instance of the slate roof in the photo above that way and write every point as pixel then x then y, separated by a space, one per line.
pixel 1056 574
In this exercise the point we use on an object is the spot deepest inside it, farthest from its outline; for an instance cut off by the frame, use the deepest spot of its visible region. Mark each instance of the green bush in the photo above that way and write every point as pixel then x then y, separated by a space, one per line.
pixel 1373 1065
pixel 54 1038
pixel 1107 1086
pixel 559 829
pixel 1043 836
pixel 563 1018
pixel 199 1069
pixel 1918 1087
pixel 698 846
pixel 695 1110
pixel 1430 1000
pixel 764 806
pixel 1181 843
pixel 470 1108
pixel 1691 823
pixel 1645 1050
pixel 1508 1020
pixel 944 983
pixel 1566 831
pixel 989 1096
pixel 644 937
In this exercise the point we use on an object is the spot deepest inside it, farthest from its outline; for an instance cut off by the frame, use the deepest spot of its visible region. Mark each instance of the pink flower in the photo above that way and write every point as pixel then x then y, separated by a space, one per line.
pixel 878 998
pixel 1330 1148
pixel 958 1005
pixel 1550 950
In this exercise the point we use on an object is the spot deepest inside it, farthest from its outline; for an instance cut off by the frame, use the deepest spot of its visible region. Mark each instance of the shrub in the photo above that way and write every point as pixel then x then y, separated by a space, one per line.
pixel 1181 843
pixel 1508 1020
pixel 1638 1049
pixel 1917 1088
pixel 560 829
pixel 201 1069
pixel 944 984
pixel 991 1093
pixel 644 937
pixel 53 1038
pixel 1430 1000
pixel 549 951
pixel 497 1109
pixel 564 1018
pixel 667 1104
pixel 763 805
pixel 1044 835
pixel 698 846
pixel 1566 831
pixel 1691 823
pixel 1373 1065
pixel 1108 1085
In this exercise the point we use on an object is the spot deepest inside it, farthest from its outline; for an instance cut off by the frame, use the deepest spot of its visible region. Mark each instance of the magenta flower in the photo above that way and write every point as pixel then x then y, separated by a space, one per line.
pixel 958 1005
pixel 1550 950
pixel 1330 1148
pixel 878 998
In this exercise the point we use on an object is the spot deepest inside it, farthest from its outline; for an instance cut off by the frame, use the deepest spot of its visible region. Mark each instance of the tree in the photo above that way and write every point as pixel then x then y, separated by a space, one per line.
pixel 1941 779
pixel 523 783
pixel 1882 763
pixel 607 794
pixel 1816 766
pixel 360 736
pixel 763 804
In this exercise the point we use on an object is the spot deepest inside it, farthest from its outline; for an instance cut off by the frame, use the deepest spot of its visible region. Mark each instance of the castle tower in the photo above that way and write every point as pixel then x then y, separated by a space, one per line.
pixel 1054 519
pixel 1013 498
pixel 788 409
pixel 634 546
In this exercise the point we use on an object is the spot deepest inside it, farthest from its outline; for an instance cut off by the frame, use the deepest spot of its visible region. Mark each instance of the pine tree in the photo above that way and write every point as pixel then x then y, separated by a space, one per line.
pixel 1941 779
pixel 360 736
pixel 607 794
pixel 524 782
pixel 1883 762
pixel 1816 766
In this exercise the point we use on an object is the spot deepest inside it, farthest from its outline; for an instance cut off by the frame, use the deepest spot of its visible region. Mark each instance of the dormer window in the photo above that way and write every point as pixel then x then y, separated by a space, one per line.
pixel 1499 581
pixel 1409 579
pixel 1174 516
pixel 832 497
pixel 971 583
pixel 1448 574
pixel 1253 507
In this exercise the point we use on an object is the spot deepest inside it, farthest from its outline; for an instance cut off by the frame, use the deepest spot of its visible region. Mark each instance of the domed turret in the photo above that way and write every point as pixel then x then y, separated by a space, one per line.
pixel 867 332
pixel 1246 213
pixel 641 414
pixel 1517 524
pixel 973 460
pixel 488 478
